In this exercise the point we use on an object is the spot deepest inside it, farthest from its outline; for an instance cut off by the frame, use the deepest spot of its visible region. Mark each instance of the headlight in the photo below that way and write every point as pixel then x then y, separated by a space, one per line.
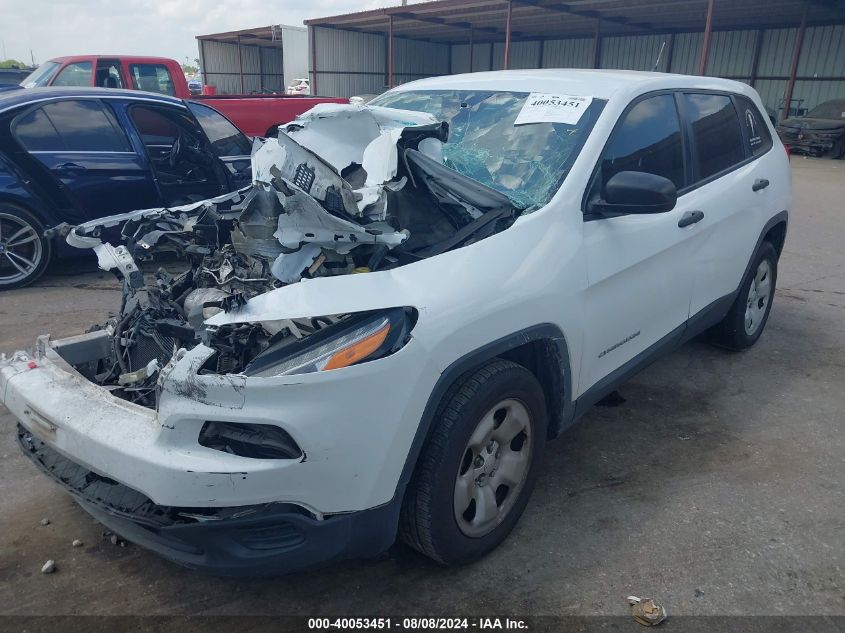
pixel 359 338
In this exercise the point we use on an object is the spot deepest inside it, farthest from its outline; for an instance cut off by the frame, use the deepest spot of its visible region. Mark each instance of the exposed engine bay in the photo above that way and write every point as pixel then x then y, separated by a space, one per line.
pixel 345 189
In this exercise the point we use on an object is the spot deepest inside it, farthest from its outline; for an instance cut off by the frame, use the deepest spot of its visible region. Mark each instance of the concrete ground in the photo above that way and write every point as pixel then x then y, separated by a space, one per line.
pixel 717 487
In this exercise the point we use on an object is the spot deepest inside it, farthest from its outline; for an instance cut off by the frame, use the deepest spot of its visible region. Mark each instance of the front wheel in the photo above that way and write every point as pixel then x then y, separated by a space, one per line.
pixel 24 252
pixel 749 313
pixel 479 465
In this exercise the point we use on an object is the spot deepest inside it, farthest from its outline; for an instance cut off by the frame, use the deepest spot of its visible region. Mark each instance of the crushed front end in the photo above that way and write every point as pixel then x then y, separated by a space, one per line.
pixel 205 419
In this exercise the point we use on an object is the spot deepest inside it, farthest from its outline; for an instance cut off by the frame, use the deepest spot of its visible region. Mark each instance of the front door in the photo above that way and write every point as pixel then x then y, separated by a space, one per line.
pixel 186 170
pixel 227 142
pixel 639 267
pixel 81 144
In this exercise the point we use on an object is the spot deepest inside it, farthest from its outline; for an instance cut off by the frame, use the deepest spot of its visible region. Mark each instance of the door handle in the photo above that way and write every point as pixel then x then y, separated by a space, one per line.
pixel 760 183
pixel 690 217
pixel 67 167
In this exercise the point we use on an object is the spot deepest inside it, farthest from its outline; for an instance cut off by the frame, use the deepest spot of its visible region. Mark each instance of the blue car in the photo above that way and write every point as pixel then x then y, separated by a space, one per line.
pixel 76 154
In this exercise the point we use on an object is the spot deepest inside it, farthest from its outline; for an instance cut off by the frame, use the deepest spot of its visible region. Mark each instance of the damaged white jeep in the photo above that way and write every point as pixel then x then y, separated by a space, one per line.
pixel 381 333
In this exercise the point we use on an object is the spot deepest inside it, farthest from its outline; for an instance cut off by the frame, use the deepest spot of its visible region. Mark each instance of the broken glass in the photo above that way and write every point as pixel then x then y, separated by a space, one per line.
pixel 527 163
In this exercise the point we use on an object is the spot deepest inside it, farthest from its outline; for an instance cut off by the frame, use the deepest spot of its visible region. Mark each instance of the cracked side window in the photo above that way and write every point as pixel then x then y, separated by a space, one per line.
pixel 527 163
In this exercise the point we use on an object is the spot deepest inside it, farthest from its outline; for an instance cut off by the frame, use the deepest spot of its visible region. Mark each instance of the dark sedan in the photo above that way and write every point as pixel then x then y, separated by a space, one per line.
pixel 72 155
pixel 821 131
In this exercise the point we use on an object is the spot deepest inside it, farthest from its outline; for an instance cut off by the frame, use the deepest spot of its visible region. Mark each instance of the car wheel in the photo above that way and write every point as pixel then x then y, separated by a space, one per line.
pixel 749 313
pixel 479 465
pixel 24 252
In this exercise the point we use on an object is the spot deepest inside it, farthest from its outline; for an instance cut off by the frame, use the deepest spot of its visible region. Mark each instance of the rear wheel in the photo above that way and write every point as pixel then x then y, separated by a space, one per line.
pixel 479 466
pixel 749 313
pixel 24 252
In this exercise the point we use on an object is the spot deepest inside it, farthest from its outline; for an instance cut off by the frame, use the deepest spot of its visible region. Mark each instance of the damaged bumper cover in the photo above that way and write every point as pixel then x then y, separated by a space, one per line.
pixel 157 453
pixel 143 473
pixel 267 539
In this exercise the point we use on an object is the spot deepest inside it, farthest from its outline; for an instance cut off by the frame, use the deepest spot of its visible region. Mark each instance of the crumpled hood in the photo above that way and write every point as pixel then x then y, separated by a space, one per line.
pixel 304 170
pixel 327 296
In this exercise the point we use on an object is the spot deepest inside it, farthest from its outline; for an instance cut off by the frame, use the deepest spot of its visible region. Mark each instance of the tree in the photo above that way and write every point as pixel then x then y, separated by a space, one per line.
pixel 12 63
pixel 189 70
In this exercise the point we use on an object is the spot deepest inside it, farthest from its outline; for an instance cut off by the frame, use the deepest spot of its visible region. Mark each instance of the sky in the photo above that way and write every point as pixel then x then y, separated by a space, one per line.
pixel 50 28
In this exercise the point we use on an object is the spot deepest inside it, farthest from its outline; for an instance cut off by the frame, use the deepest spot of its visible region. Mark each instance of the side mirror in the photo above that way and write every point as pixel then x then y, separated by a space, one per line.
pixel 630 192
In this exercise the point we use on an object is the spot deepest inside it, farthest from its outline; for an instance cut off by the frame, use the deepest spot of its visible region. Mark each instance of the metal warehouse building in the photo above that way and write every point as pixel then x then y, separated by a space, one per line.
pixel 789 50
pixel 254 60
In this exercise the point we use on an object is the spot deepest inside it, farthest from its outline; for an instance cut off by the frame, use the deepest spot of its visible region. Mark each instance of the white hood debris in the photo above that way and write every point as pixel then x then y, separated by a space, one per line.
pixel 346 135
pixel 344 189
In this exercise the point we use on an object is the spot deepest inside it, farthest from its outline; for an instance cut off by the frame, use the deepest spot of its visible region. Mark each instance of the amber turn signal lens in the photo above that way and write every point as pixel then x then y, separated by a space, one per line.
pixel 358 350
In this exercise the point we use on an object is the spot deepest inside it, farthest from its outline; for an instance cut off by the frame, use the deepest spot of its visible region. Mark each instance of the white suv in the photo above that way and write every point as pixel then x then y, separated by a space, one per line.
pixel 570 227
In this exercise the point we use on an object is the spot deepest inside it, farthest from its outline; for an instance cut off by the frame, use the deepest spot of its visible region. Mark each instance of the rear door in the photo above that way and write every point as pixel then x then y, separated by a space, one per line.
pixel 731 187
pixel 639 267
pixel 81 144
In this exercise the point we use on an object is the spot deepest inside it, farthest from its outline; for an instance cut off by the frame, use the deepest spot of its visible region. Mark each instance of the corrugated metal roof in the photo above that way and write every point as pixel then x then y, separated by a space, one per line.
pixel 451 20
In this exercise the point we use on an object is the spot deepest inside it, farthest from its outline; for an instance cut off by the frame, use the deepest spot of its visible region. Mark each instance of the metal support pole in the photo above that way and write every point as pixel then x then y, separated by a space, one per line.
pixel 261 70
pixel 670 53
pixel 755 60
pixel 390 51
pixel 203 71
pixel 313 37
pixel 793 70
pixel 507 62
pixel 241 64
pixel 471 47
pixel 705 44
pixel 597 45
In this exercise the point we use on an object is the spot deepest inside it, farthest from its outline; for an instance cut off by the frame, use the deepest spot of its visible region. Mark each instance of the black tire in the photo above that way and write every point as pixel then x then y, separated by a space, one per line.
pixel 732 331
pixel 428 521
pixel 36 251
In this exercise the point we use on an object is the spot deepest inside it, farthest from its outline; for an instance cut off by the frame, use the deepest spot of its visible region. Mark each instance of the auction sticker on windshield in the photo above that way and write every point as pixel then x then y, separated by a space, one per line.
pixel 551 108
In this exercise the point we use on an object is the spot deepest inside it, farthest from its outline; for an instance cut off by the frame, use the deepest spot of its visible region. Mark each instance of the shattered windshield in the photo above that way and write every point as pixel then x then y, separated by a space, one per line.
pixel 527 162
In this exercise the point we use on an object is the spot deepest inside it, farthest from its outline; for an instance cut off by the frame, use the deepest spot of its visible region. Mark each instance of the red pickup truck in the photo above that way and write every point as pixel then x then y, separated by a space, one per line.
pixel 255 115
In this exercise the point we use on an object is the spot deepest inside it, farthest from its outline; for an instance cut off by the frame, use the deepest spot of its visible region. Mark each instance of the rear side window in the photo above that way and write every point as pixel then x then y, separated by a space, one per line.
pixel 717 136
pixel 76 74
pixel 648 139
pixel 71 126
pixel 152 78
pixel 37 134
pixel 756 131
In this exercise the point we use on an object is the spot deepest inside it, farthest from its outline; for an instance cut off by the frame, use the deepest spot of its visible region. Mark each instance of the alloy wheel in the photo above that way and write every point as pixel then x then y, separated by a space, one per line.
pixel 20 249
pixel 493 469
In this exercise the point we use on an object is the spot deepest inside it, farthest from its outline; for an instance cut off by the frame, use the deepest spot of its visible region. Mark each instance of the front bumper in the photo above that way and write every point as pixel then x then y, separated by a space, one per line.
pixel 269 539
pixel 355 426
